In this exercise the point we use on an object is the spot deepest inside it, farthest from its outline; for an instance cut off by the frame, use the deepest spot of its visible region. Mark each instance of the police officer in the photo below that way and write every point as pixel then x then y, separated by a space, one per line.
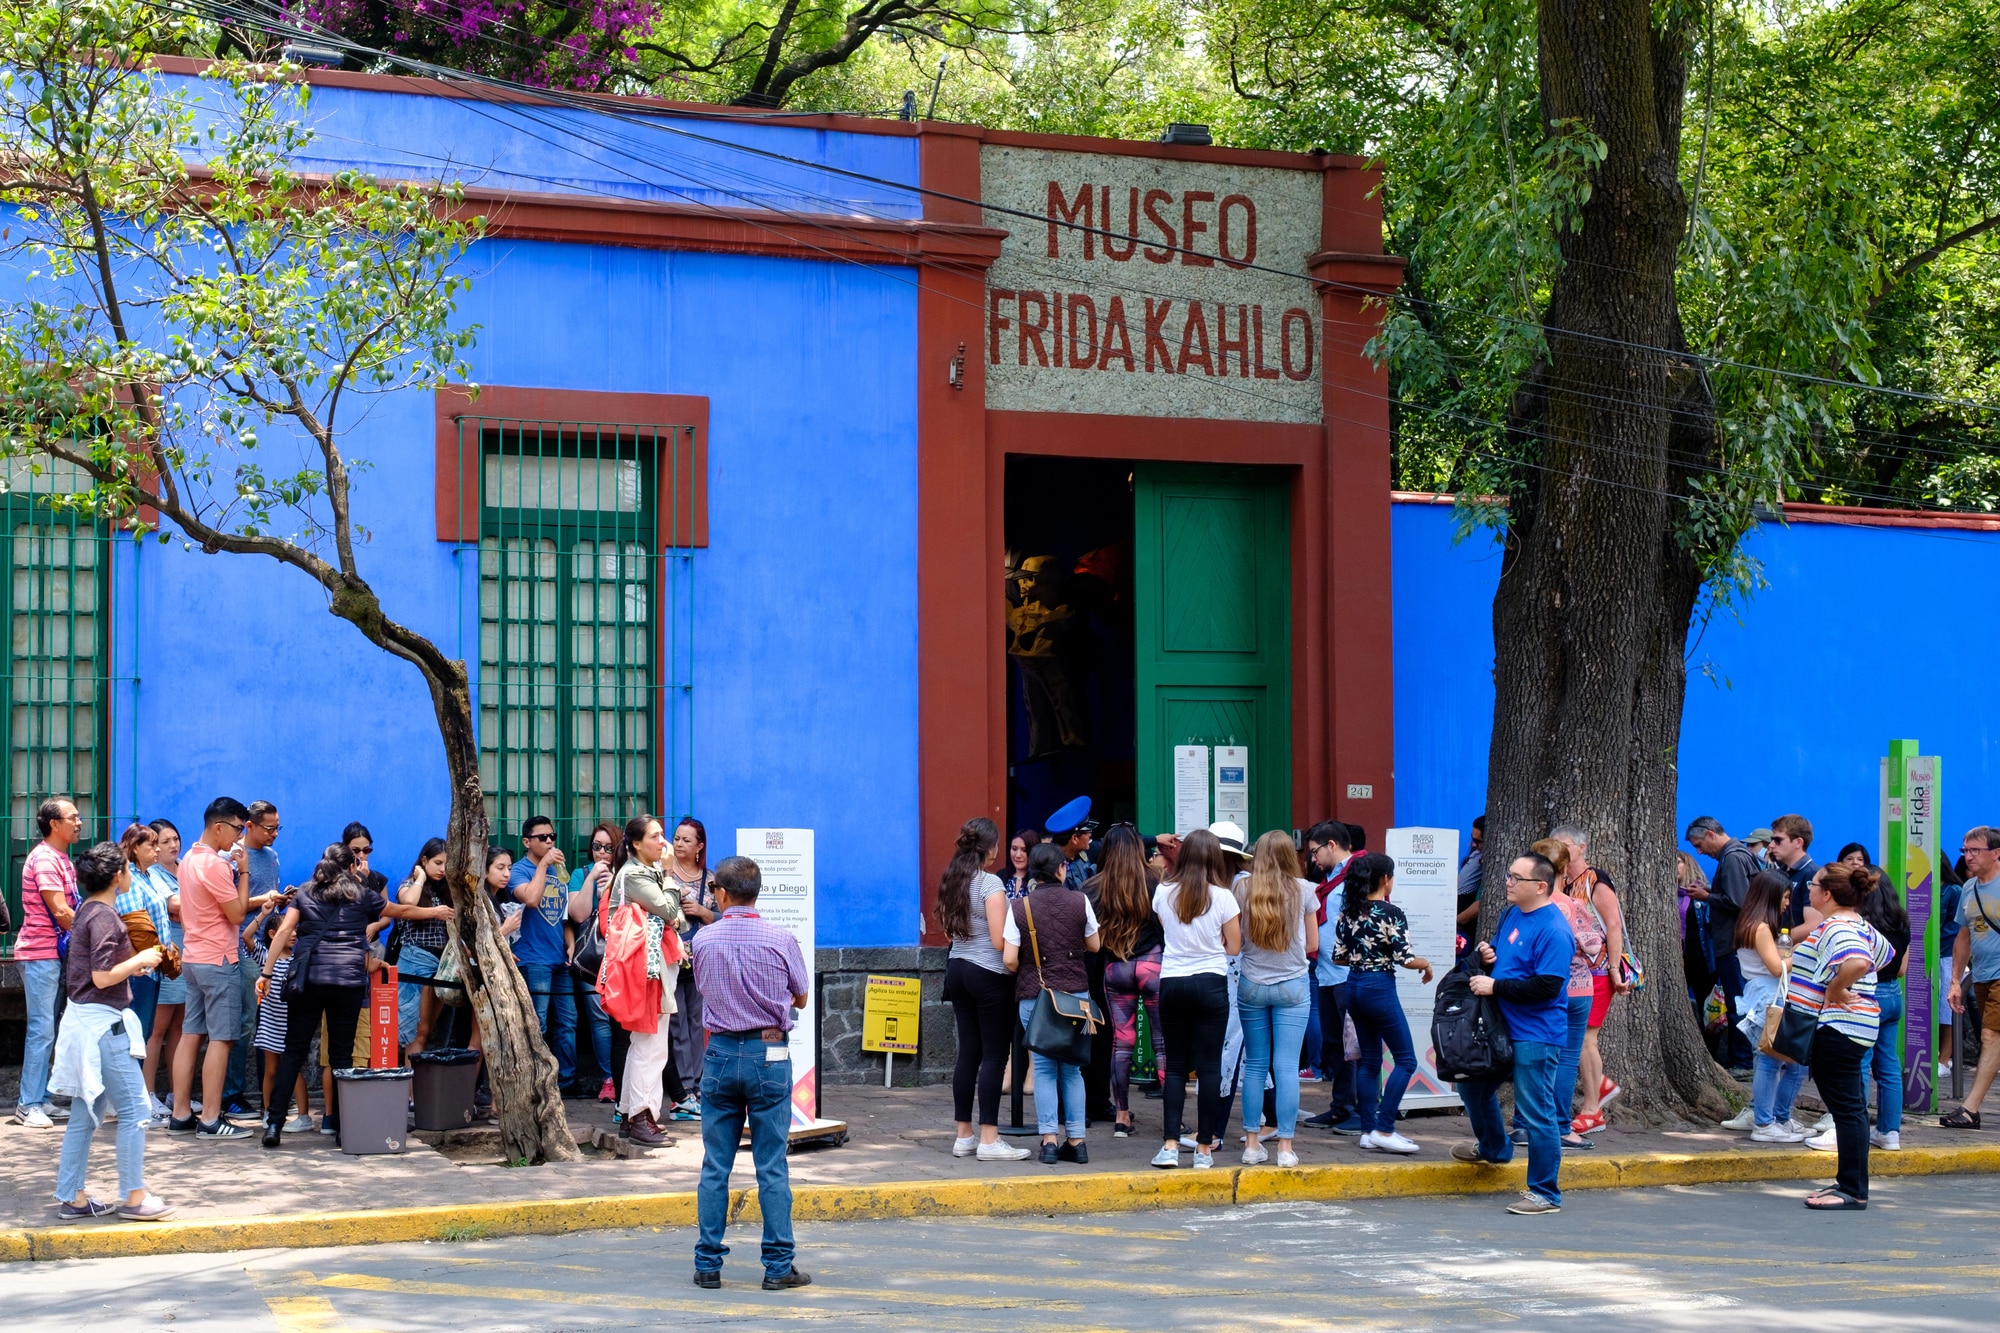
pixel 1070 828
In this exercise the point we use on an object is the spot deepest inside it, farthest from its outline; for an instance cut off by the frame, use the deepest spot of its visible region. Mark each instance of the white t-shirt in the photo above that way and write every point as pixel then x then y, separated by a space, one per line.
pixel 1011 930
pixel 1195 948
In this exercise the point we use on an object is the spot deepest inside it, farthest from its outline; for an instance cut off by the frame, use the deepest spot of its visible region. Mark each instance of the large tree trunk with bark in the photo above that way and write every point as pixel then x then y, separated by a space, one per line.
pixel 522 1072
pixel 1596 590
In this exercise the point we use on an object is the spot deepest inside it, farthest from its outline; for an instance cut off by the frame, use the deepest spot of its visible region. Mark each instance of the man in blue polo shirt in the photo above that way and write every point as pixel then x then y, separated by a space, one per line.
pixel 540 882
pixel 1529 972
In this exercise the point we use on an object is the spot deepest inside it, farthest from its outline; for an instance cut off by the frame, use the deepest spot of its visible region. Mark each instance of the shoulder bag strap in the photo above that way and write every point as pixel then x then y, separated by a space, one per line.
pixel 1977 901
pixel 1033 943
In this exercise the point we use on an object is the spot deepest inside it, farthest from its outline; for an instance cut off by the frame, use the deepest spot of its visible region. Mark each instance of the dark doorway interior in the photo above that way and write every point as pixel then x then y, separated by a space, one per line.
pixel 1069 638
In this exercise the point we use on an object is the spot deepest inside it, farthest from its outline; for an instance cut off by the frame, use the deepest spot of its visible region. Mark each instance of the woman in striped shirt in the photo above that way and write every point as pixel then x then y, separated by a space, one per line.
pixel 1833 973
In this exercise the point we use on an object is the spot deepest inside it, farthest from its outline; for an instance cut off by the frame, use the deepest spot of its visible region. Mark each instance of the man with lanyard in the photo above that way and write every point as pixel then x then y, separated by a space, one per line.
pixel 1790 836
pixel 1734 865
pixel 1977 951
pixel 1529 971
pixel 1329 849
pixel 752 975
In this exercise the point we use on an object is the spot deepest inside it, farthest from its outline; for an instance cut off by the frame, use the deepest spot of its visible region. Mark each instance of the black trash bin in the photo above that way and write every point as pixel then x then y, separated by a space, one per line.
pixel 374 1109
pixel 446 1083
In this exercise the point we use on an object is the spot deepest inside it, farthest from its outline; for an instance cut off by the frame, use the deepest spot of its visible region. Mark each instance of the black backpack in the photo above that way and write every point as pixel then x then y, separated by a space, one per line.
pixel 1468 1032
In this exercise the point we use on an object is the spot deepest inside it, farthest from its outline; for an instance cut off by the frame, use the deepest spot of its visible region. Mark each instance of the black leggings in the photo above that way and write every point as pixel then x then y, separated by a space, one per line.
pixel 1194 1019
pixel 1840 1073
pixel 984 1003
pixel 341 1007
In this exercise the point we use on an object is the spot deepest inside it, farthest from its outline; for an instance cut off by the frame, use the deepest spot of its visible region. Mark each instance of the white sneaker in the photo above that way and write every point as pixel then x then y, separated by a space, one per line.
pixel 1203 1160
pixel 1366 1142
pixel 1743 1119
pixel 162 1110
pixel 997 1151
pixel 1777 1132
pixel 1823 1124
pixel 965 1147
pixel 1188 1141
pixel 1824 1142
pixel 1396 1143
pixel 1889 1142
pixel 34 1117
pixel 1167 1157
pixel 1256 1155
pixel 1288 1159
pixel 299 1124
pixel 1801 1130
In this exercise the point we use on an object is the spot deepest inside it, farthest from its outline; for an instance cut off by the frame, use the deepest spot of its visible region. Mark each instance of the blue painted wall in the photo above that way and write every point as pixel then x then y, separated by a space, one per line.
pixel 804 704
pixel 1788 709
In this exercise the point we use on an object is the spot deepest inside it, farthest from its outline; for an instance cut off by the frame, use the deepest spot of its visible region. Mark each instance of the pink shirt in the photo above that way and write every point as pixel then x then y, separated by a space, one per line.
pixel 207 882
pixel 45 869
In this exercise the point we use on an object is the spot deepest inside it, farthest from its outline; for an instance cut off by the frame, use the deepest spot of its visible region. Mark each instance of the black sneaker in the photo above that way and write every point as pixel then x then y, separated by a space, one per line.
pixel 1324 1120
pixel 711 1278
pixel 785 1281
pixel 222 1129
pixel 273 1134
pixel 1073 1152
pixel 1520 1137
pixel 237 1107
pixel 1050 1154
pixel 91 1211
pixel 187 1126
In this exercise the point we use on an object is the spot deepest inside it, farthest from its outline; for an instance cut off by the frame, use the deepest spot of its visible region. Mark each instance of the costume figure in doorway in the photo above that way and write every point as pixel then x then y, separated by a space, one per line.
pixel 1041 629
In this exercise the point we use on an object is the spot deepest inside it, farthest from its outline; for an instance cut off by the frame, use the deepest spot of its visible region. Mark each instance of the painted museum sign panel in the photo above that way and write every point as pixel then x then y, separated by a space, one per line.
pixel 1152 288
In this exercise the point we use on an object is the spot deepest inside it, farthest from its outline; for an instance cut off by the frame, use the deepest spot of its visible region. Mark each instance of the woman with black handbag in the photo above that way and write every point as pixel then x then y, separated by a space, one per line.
pixel 586 954
pixel 1199 918
pixel 1047 932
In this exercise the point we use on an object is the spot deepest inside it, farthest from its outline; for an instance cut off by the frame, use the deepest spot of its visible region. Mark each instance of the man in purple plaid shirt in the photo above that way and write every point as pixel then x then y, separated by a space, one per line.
pixel 751 976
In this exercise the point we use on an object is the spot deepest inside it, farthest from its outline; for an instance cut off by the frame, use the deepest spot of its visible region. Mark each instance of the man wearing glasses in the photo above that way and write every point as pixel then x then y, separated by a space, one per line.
pixel 48 904
pixel 540 882
pixel 257 853
pixel 1977 951
pixel 215 897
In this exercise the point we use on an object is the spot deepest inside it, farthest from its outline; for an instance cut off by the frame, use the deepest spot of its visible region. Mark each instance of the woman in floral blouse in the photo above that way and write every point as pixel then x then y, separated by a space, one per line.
pixel 1372 937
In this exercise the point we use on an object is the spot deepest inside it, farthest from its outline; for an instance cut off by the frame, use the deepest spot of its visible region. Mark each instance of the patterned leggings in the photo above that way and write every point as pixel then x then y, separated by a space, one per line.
pixel 1125 984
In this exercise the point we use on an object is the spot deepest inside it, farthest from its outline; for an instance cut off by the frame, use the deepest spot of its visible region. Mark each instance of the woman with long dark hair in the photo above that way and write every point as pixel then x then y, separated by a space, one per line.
pixel 1200 933
pixel 972 908
pixel 327 926
pixel 687 875
pixel 1122 893
pixel 1774 1083
pixel 1273 998
pixel 172 999
pixel 1833 972
pixel 424 936
pixel 1044 939
pixel 587 884
pixel 639 874
pixel 1015 880
pixel 1372 938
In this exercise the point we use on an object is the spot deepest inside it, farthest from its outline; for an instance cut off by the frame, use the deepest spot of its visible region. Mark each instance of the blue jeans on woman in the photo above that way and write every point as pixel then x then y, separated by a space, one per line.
pixel 1774 1084
pixel 1566 1065
pixel 412 962
pixel 1885 1065
pixel 597 1022
pixel 1378 1019
pixel 1274 1020
pixel 124 1089
pixel 1055 1080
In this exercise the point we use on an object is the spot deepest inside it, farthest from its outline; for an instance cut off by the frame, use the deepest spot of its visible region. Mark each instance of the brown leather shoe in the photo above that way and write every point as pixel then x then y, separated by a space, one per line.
pixel 642 1129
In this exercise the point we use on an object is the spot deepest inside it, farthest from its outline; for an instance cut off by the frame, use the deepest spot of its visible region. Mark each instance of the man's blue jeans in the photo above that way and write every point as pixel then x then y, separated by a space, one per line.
pixel 1572 1056
pixel 41 984
pixel 555 1010
pixel 1274 1026
pixel 1534 1098
pixel 1885 1066
pixel 739 1081
pixel 245 1073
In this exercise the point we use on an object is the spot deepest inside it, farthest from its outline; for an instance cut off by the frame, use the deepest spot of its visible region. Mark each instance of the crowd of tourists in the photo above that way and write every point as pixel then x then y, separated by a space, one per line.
pixel 161 993
pixel 1259 968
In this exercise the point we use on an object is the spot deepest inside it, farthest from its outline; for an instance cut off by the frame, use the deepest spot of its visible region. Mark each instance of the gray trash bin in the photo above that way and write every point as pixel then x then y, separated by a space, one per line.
pixel 374 1109
pixel 447 1083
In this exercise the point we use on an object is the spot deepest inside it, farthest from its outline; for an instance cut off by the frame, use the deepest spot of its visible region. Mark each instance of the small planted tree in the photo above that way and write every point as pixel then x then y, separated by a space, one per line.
pixel 190 322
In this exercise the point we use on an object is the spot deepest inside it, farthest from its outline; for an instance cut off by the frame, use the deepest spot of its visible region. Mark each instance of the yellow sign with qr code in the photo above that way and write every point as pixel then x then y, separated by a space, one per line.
pixel 891 1013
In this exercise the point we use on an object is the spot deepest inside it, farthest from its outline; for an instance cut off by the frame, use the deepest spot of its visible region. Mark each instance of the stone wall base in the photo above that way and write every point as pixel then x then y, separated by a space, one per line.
pixel 843 988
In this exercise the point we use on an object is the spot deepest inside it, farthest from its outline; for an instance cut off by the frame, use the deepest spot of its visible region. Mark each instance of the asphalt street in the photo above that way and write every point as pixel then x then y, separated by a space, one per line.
pixel 1925 1256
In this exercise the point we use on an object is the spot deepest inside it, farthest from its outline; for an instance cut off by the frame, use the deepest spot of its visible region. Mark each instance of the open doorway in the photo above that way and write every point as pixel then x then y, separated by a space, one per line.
pixel 1070 680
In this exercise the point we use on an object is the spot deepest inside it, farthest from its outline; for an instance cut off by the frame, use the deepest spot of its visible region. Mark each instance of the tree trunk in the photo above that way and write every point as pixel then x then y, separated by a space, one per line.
pixel 522 1072
pixel 1596 590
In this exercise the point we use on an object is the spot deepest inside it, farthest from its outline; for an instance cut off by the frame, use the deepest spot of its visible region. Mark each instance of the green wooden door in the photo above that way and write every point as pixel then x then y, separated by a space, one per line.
pixel 1212 574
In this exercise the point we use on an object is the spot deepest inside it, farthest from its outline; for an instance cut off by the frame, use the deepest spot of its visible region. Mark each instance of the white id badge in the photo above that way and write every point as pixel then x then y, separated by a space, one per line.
pixel 773 1054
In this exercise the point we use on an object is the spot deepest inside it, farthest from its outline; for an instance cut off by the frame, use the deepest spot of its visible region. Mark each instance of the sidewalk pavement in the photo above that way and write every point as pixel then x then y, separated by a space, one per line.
pixel 897 1162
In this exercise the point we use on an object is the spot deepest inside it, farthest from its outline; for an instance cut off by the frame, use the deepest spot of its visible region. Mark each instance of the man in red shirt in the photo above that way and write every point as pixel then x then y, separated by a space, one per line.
pixel 215 896
pixel 48 904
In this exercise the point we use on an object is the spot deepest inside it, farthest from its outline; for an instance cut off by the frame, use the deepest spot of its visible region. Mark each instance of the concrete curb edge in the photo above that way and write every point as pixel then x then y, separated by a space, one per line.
pixel 1101 1192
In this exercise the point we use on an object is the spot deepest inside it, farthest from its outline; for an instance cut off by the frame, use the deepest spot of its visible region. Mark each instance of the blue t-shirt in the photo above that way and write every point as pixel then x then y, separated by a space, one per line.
pixel 263 869
pixel 1535 944
pixel 541 937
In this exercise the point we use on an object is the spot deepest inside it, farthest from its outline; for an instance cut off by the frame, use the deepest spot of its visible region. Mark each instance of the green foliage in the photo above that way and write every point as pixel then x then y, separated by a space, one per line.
pixel 198 328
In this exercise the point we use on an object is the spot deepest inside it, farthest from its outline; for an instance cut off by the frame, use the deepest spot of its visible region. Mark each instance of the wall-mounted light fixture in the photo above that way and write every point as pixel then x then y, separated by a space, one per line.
pixel 956 379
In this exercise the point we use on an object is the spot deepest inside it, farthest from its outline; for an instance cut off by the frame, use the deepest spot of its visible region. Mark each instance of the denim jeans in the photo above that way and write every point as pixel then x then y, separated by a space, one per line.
pixel 1534 1097
pixel 1885 1064
pixel 1274 1030
pixel 1572 1056
pixel 145 999
pixel 124 1089
pixel 412 962
pixel 1378 1019
pixel 1774 1084
pixel 41 985
pixel 555 1010
pixel 599 1027
pixel 1058 1086
pixel 740 1080
pixel 245 1073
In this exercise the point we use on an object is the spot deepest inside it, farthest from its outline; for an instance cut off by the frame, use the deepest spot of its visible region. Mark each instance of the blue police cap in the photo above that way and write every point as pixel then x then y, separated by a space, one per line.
pixel 1070 816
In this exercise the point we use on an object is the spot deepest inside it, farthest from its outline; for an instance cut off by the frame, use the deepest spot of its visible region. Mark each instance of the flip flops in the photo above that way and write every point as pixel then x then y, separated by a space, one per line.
pixel 1833 1201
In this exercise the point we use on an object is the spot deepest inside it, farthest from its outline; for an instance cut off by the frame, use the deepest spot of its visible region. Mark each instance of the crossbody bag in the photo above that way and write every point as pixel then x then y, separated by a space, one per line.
pixel 1061 1025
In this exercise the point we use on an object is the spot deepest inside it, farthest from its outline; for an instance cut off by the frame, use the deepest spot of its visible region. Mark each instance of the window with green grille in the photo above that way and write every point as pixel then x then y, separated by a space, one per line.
pixel 58 568
pixel 584 624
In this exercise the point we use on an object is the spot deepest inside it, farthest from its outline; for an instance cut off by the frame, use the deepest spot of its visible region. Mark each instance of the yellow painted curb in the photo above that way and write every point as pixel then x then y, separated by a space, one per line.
pixel 1102 1192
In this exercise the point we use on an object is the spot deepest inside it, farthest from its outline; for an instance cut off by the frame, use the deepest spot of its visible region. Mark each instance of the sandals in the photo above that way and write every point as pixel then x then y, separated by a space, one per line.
pixel 1960 1119
pixel 1587 1123
pixel 1833 1201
